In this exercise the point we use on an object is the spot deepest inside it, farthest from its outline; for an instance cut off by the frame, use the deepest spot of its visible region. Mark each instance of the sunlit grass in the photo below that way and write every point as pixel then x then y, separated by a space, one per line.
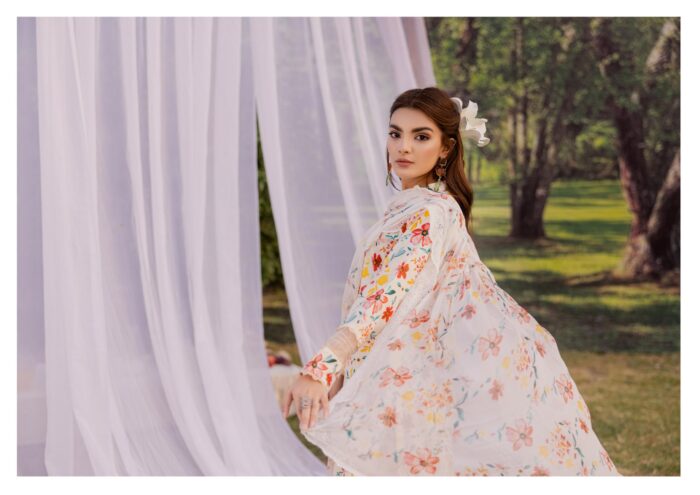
pixel 634 401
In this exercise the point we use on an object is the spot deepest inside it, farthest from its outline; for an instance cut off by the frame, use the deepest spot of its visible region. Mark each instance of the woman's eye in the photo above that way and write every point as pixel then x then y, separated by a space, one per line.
pixel 392 134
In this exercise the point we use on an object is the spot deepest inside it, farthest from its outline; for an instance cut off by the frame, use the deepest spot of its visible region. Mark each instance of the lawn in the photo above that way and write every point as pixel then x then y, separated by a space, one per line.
pixel 621 342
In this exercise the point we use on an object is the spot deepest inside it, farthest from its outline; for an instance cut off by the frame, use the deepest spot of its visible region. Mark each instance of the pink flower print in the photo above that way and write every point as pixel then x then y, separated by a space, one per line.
pixel 386 249
pixel 388 417
pixel 387 313
pixel 398 377
pixel 463 287
pixel 422 460
pixel 540 471
pixel 496 390
pixel 523 315
pixel 469 311
pixel 490 344
pixel 416 319
pixel 560 443
pixel 421 235
pixel 316 367
pixel 402 270
pixel 376 300
pixel 565 387
pixel 395 345
pixel 606 459
pixel 523 357
pixel 582 424
pixel 521 434
pixel 540 347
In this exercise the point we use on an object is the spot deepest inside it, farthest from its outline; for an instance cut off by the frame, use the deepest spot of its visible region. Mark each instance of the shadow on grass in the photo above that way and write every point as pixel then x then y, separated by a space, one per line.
pixel 597 318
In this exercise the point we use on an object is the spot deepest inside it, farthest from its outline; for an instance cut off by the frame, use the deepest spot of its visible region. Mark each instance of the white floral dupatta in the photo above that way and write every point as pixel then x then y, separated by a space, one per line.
pixel 455 378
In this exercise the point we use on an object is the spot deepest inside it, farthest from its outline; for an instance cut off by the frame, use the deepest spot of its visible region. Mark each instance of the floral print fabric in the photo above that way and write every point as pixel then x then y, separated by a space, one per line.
pixel 387 274
pixel 450 376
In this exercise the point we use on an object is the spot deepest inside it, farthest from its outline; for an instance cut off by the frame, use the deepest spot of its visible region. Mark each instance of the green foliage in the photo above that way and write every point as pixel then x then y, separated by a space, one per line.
pixel 269 250
pixel 654 99
pixel 594 153
pixel 472 59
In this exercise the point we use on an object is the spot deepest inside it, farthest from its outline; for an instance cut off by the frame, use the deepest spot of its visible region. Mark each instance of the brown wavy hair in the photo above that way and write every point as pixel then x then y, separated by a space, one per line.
pixel 437 105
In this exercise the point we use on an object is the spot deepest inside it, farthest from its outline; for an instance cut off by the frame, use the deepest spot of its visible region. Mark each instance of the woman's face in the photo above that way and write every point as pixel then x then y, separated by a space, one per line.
pixel 414 137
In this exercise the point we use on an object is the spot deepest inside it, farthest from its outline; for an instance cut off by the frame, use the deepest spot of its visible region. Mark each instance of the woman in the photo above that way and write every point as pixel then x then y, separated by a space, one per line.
pixel 436 370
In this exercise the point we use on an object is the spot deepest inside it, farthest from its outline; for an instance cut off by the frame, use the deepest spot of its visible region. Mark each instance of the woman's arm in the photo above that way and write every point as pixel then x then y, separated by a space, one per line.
pixel 389 270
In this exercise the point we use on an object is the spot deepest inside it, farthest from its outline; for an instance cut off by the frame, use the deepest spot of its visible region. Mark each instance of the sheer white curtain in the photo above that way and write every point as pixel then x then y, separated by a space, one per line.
pixel 140 324
pixel 324 87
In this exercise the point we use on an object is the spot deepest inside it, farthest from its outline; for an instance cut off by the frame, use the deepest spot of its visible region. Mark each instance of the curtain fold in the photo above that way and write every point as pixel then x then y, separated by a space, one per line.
pixel 324 87
pixel 140 334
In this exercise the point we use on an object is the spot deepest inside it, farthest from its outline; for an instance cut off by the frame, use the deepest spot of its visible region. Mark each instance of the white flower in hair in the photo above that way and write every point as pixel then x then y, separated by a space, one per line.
pixel 469 125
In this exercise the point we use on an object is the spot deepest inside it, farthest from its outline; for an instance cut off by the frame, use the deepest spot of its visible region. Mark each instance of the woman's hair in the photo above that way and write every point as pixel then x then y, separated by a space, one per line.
pixel 438 106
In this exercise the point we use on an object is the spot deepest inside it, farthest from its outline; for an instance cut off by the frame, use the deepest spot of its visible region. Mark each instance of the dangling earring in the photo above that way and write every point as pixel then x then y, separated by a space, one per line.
pixel 440 171
pixel 388 174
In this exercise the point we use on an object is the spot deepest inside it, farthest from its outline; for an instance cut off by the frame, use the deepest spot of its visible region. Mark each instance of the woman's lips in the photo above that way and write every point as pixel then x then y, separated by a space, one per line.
pixel 401 163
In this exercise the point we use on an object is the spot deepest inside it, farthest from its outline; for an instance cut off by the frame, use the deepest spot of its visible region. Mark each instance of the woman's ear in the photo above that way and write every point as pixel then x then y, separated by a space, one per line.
pixel 449 147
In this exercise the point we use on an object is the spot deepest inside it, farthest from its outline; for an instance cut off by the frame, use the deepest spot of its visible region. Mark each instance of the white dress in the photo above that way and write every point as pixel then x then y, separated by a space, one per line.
pixel 444 373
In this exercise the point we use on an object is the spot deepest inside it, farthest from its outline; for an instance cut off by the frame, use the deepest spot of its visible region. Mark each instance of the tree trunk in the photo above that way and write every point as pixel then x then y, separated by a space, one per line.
pixel 655 252
pixel 536 166
pixel 633 167
pixel 525 218
pixel 527 205
pixel 653 246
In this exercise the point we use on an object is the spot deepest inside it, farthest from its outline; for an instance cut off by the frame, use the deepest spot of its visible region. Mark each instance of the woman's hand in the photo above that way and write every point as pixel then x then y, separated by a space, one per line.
pixel 305 386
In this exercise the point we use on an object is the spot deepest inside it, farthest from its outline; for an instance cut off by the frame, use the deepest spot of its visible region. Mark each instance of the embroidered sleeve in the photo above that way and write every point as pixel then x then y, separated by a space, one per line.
pixel 329 362
pixel 390 268
pixel 327 365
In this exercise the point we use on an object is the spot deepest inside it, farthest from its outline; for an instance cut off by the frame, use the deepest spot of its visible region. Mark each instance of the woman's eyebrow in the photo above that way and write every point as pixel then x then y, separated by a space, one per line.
pixel 414 130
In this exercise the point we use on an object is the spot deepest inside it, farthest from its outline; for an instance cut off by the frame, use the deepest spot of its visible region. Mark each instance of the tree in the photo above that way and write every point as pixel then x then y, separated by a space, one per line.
pixel 645 107
pixel 545 78
pixel 528 75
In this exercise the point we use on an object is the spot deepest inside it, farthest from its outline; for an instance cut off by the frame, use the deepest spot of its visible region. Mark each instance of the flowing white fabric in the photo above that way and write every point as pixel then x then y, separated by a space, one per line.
pixel 452 376
pixel 324 87
pixel 140 324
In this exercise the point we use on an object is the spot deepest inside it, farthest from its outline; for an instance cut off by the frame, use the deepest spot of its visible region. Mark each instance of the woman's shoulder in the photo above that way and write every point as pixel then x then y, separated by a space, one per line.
pixel 440 206
pixel 442 203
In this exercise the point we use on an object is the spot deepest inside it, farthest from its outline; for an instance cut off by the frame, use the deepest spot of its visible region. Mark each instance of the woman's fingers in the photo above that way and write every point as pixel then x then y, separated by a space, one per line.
pixel 297 405
pixel 314 412
pixel 324 403
pixel 304 417
pixel 286 402
pixel 319 400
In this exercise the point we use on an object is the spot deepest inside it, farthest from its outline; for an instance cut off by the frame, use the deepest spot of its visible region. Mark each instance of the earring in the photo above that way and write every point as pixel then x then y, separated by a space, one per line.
pixel 388 174
pixel 440 171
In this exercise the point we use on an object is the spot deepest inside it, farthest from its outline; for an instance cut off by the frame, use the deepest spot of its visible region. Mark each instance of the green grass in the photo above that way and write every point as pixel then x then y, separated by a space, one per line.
pixel 634 399
pixel 621 342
